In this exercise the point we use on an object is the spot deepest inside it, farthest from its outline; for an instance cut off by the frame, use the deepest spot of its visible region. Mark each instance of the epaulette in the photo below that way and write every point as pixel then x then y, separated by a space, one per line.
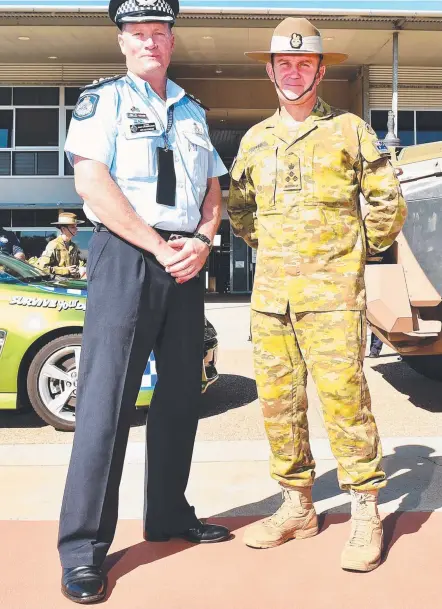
pixel 101 81
pixel 197 101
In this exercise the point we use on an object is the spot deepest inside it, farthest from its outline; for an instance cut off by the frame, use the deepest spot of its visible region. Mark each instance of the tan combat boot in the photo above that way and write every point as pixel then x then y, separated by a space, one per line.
pixel 363 550
pixel 296 518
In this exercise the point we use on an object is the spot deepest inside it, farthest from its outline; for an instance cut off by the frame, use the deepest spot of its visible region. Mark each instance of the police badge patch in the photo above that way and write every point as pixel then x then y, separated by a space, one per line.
pixel 296 41
pixel 86 107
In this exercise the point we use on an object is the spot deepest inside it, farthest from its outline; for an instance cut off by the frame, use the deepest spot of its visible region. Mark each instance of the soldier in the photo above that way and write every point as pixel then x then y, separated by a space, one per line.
pixel 61 255
pixel 295 196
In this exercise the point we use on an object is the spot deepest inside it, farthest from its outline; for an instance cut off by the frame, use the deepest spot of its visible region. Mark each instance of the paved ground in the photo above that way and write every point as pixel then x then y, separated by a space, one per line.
pixel 230 481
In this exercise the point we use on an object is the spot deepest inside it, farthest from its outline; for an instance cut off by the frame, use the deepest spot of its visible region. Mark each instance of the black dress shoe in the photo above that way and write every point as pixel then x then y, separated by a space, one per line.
pixel 84 584
pixel 374 354
pixel 200 533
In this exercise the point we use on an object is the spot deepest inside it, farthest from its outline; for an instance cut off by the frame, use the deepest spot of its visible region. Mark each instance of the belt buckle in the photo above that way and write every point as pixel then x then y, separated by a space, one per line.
pixel 174 236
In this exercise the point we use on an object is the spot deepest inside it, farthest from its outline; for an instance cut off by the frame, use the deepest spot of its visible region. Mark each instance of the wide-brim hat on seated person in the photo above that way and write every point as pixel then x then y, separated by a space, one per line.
pixel 143 11
pixel 67 219
pixel 297 37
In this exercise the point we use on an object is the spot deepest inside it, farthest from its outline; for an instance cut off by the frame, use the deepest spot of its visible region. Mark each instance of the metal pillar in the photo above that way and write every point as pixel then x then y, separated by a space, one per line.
pixel 391 139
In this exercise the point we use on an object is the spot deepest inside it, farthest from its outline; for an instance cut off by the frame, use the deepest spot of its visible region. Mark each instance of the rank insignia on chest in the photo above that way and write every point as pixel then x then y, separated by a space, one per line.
pixel 86 106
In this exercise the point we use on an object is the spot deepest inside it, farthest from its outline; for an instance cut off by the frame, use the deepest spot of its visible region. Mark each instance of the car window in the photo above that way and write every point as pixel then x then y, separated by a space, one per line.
pixel 12 269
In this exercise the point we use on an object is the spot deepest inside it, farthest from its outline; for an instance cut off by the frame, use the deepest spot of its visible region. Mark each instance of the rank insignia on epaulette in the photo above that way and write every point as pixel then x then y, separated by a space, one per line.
pixel 197 101
pixel 370 129
pixel 100 81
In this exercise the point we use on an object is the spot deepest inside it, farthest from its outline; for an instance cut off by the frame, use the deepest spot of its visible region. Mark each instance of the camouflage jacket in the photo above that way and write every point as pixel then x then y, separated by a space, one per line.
pixel 57 257
pixel 296 193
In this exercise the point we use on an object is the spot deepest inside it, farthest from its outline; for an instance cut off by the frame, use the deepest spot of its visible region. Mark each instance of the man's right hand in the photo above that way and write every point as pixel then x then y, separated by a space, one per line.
pixel 73 270
pixel 164 254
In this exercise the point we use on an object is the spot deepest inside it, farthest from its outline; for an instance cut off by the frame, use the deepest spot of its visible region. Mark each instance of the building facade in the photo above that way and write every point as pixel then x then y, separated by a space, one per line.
pixel 50 48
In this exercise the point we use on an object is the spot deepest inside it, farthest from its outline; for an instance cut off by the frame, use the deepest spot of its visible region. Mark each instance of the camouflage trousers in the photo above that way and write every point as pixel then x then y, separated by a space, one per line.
pixel 330 345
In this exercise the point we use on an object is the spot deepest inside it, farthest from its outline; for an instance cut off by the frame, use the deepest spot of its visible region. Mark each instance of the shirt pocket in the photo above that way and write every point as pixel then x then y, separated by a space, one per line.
pixel 264 167
pixel 136 155
pixel 196 155
pixel 330 179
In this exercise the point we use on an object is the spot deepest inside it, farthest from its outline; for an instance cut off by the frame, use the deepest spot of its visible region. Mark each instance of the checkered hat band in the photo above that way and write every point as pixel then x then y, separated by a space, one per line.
pixel 310 44
pixel 126 10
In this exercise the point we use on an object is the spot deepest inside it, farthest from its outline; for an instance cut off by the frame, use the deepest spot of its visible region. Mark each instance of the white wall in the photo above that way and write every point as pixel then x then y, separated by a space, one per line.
pixel 38 191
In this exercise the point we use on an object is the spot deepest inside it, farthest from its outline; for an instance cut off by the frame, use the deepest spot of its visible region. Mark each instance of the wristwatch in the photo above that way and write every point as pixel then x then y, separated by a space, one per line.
pixel 204 239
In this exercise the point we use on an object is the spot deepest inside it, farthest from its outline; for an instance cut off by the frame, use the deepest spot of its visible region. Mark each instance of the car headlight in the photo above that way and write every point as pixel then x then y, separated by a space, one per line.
pixel 2 340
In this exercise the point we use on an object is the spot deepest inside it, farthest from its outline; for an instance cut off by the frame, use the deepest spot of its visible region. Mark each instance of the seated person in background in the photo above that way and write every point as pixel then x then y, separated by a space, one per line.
pixel 10 244
pixel 62 256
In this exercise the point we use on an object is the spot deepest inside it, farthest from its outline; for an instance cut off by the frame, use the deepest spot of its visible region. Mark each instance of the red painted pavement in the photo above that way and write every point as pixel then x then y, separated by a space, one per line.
pixel 177 575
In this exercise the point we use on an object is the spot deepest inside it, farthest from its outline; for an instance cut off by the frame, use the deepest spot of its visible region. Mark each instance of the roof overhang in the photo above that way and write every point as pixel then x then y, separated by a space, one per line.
pixel 249 8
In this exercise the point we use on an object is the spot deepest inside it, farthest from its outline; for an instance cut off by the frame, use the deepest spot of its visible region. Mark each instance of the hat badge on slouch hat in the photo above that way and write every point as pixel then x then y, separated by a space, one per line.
pixel 143 11
pixel 295 36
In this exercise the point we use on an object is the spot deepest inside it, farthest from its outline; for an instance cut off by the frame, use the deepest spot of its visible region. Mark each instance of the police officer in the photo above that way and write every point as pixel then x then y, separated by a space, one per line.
pixel 62 256
pixel 295 196
pixel 147 171
pixel 10 244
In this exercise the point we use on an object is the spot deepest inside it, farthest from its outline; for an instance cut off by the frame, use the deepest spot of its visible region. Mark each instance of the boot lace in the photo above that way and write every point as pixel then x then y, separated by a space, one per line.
pixel 359 521
pixel 280 515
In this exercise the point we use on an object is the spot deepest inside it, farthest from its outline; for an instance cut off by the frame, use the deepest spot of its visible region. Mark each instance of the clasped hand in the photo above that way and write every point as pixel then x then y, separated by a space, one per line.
pixel 189 259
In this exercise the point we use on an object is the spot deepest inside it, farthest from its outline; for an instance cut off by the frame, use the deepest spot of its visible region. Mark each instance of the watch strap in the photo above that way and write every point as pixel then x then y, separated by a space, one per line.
pixel 204 239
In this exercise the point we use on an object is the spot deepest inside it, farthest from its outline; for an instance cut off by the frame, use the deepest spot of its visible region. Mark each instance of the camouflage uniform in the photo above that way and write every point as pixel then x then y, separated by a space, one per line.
pixel 296 193
pixel 58 256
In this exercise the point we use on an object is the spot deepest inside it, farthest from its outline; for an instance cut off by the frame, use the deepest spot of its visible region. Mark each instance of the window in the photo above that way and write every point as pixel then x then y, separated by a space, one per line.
pixel 35 163
pixel 68 169
pixel 415 126
pixel 6 124
pixel 71 95
pixel 5 96
pixel 29 130
pixel 428 126
pixel 36 127
pixel 5 218
pixel 36 96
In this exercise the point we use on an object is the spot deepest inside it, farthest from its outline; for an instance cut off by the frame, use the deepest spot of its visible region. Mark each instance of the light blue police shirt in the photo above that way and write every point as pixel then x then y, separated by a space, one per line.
pixel 122 123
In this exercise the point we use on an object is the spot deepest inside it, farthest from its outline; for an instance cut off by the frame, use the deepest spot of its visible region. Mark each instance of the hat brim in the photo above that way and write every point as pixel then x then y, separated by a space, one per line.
pixel 67 223
pixel 328 59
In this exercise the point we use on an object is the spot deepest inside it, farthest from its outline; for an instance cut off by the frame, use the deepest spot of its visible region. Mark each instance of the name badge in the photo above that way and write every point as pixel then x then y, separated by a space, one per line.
pixel 136 115
pixel 142 127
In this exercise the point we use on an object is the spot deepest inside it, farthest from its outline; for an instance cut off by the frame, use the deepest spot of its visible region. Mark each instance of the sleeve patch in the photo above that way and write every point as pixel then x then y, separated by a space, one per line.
pixel 86 107
pixel 381 147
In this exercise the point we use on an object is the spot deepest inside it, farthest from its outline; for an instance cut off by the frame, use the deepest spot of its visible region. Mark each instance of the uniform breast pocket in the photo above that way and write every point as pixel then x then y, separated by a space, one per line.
pixel 330 178
pixel 264 171
pixel 196 156
pixel 136 155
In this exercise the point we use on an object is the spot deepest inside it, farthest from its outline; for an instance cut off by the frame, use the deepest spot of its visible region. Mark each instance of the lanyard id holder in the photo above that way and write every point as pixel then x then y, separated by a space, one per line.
pixel 166 182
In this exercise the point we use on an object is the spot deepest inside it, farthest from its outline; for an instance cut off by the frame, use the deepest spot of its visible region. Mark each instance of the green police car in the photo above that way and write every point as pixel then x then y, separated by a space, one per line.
pixel 41 324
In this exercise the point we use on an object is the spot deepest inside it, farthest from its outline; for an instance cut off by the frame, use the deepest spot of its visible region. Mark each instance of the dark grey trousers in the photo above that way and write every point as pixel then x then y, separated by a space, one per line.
pixel 133 306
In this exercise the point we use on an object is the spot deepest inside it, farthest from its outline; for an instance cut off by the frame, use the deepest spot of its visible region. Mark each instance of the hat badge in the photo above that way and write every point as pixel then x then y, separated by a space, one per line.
pixel 296 41
pixel 146 2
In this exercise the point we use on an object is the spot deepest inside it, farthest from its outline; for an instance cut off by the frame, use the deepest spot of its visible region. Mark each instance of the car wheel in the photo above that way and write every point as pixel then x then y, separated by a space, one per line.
pixel 427 365
pixel 52 381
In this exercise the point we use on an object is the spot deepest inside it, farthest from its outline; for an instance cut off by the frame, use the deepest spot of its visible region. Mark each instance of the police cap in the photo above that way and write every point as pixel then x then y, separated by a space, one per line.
pixel 141 11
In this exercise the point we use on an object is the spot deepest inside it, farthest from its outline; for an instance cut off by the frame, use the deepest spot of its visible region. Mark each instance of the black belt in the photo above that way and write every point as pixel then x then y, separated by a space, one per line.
pixel 165 234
